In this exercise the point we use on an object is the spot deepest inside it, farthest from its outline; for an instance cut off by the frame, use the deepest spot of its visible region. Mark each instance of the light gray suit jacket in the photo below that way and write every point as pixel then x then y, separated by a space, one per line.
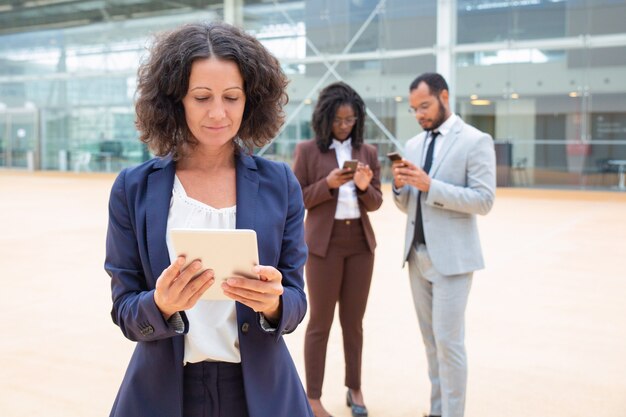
pixel 463 182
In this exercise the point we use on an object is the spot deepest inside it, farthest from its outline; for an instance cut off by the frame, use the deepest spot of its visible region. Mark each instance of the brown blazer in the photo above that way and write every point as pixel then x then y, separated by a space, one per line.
pixel 311 167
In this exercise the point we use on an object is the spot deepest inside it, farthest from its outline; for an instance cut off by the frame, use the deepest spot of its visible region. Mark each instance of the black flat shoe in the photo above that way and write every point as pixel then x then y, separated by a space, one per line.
pixel 357 410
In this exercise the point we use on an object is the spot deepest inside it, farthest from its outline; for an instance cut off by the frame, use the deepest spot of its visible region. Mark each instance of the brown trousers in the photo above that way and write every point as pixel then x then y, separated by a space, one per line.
pixel 343 276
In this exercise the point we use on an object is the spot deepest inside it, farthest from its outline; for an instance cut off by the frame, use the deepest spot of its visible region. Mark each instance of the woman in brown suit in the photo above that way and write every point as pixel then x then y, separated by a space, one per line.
pixel 339 235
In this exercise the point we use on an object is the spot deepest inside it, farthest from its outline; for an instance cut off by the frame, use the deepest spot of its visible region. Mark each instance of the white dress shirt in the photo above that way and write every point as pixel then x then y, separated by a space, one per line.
pixel 348 202
pixel 443 130
pixel 212 332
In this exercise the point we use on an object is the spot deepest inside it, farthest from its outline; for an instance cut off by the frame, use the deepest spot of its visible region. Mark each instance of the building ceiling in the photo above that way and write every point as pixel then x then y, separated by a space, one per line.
pixel 27 16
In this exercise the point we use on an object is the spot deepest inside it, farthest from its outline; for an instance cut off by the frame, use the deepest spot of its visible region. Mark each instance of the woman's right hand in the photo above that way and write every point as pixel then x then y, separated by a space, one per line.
pixel 338 177
pixel 178 290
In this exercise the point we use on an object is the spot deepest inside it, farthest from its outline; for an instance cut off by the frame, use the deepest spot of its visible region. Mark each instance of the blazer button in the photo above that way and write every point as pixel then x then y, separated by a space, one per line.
pixel 245 327
pixel 148 330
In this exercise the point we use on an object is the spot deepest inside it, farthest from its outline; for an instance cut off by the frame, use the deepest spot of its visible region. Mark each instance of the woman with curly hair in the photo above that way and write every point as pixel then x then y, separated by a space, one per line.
pixel 207 94
pixel 339 235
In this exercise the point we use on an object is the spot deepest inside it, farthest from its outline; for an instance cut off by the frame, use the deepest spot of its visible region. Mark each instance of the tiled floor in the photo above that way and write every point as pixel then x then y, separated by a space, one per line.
pixel 546 322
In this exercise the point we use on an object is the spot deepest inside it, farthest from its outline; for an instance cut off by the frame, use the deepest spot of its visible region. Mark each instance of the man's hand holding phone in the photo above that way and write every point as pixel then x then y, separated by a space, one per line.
pixel 396 162
pixel 406 173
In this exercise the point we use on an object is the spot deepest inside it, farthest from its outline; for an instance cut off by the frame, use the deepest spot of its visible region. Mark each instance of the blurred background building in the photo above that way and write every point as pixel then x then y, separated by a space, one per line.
pixel 546 78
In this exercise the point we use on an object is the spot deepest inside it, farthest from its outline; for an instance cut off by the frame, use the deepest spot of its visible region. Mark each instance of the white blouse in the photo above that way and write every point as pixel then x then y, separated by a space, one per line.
pixel 212 332
pixel 347 201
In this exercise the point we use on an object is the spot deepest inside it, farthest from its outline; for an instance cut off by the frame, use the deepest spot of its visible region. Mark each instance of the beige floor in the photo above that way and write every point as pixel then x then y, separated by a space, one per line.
pixel 546 322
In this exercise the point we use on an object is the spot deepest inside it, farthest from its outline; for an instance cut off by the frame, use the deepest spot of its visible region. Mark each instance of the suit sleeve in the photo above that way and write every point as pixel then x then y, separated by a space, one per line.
pixel 401 197
pixel 372 196
pixel 314 191
pixel 477 196
pixel 134 309
pixel 293 255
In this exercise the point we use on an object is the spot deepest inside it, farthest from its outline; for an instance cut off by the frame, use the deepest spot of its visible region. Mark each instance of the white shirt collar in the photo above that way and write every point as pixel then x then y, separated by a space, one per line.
pixel 446 126
pixel 336 144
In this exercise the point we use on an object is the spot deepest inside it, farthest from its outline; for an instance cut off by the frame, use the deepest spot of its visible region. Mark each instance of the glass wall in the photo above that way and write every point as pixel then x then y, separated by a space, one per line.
pixel 544 77
pixel 378 47
pixel 66 95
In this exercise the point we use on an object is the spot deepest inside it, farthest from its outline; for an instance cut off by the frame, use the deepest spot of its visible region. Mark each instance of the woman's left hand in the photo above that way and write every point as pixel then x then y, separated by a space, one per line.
pixel 363 176
pixel 262 295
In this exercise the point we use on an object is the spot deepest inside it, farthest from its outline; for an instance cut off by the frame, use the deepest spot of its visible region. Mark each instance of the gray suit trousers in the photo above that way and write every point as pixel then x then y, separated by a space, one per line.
pixel 440 302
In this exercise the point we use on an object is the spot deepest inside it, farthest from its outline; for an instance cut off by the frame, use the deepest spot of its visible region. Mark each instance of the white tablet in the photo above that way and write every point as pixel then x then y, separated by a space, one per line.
pixel 228 252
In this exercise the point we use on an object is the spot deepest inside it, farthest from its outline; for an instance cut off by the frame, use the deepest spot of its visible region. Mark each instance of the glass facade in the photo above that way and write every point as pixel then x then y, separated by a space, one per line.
pixel 546 78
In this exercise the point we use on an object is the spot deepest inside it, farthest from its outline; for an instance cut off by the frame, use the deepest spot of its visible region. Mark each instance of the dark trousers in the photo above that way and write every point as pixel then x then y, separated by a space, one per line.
pixel 214 389
pixel 343 276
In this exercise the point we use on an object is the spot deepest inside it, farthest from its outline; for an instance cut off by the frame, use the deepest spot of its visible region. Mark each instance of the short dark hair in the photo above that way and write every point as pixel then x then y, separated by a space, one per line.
pixel 163 81
pixel 435 82
pixel 330 99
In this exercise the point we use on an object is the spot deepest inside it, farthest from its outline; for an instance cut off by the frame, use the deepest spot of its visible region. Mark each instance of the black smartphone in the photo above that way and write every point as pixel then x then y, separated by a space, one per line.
pixel 351 165
pixel 394 157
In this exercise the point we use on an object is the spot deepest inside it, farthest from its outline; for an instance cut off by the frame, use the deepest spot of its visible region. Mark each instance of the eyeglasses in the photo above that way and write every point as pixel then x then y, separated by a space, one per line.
pixel 348 121
pixel 420 109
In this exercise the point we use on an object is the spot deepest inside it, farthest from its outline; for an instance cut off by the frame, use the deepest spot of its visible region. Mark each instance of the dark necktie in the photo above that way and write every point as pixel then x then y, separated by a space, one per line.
pixel 419 225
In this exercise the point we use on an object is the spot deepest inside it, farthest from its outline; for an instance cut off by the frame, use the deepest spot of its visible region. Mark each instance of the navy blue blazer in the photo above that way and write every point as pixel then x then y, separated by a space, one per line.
pixel 269 201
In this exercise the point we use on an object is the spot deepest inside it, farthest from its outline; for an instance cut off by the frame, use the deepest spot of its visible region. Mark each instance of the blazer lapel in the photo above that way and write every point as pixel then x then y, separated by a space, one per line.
pixel 330 158
pixel 447 145
pixel 327 161
pixel 158 197
pixel 247 191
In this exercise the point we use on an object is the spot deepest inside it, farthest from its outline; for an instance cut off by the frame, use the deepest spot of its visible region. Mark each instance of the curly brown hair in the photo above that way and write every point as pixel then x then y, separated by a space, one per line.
pixel 330 99
pixel 163 81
